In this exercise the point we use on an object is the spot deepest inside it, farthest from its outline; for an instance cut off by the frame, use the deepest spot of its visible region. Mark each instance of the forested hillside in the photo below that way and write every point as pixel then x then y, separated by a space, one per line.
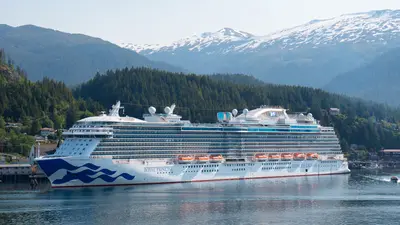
pixel 45 103
pixel 237 78
pixel 199 98
pixel 377 80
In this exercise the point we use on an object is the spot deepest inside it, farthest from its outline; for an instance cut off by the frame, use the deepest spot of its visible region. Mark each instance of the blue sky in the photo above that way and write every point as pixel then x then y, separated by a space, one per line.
pixel 164 21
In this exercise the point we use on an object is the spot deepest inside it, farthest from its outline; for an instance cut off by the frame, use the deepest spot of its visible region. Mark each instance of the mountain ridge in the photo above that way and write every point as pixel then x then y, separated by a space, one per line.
pixel 377 80
pixel 311 54
pixel 255 41
pixel 72 58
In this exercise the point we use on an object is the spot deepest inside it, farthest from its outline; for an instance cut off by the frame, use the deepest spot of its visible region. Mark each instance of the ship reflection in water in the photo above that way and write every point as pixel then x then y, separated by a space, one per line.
pixel 337 199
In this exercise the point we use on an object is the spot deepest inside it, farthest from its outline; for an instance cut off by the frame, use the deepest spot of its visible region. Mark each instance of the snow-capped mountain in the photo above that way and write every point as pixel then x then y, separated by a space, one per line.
pixel 375 26
pixel 310 54
pixel 197 43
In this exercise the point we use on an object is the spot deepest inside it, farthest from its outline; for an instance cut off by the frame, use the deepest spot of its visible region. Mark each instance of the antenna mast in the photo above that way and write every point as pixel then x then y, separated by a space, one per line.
pixel 115 109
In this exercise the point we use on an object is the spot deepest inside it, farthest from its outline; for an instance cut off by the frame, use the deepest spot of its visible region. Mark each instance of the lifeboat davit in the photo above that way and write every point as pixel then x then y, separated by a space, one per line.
pixel 274 156
pixel 312 156
pixel 185 159
pixel 202 159
pixel 216 158
pixel 286 156
pixel 299 156
pixel 261 156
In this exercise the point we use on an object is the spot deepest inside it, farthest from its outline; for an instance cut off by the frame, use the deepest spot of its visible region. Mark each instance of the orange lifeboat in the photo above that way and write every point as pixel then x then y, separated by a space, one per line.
pixel 202 159
pixel 185 159
pixel 216 158
pixel 299 156
pixel 286 156
pixel 274 156
pixel 261 156
pixel 312 156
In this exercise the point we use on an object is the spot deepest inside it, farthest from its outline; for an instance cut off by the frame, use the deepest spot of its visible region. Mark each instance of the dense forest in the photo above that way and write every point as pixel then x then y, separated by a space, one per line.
pixel 33 105
pixel 199 98
pixel 48 103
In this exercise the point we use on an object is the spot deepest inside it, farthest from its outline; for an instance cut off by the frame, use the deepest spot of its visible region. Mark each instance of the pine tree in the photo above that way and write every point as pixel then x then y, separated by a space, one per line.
pixel 72 116
pixel 2 123
pixel 35 127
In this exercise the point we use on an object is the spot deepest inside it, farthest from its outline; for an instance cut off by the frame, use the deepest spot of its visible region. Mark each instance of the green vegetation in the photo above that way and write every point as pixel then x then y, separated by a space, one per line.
pixel 237 79
pixel 29 106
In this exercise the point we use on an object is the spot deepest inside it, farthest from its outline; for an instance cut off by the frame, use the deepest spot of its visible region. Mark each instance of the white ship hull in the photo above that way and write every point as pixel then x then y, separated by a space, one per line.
pixel 75 172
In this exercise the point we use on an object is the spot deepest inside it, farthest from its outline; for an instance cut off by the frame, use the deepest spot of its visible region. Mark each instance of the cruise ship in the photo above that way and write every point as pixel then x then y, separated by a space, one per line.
pixel 265 142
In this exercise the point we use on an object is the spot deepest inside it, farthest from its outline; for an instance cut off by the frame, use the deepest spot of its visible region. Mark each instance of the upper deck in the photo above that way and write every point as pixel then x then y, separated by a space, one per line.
pixel 263 116
pixel 262 119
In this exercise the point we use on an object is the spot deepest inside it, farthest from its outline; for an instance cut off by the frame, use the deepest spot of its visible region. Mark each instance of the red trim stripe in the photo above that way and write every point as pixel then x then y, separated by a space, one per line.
pixel 175 182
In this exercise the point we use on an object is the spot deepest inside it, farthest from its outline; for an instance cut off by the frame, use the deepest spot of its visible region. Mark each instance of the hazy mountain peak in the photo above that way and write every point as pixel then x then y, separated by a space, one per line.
pixel 72 58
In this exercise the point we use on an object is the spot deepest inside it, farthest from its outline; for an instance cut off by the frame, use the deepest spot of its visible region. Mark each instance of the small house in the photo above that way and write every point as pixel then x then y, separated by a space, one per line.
pixel 44 132
pixel 390 154
pixel 334 111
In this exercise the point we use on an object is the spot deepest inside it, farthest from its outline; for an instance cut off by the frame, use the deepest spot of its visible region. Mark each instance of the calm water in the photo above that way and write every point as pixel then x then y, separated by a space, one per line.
pixel 340 199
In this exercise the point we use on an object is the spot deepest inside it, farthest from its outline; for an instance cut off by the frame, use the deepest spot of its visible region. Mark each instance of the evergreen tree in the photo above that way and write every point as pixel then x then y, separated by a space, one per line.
pixel 72 116
pixel 2 123
pixel 35 127
pixel 46 122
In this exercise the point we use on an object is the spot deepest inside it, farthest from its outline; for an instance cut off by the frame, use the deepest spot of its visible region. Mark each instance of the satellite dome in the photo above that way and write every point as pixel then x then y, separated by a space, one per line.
pixel 309 115
pixel 167 110
pixel 245 111
pixel 152 110
pixel 234 112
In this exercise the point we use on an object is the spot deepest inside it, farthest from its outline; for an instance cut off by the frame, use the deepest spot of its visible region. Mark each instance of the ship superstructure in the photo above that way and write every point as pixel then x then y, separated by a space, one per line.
pixel 110 149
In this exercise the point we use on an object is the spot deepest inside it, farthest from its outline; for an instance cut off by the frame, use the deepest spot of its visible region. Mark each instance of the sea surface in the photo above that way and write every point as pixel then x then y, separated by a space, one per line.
pixel 357 198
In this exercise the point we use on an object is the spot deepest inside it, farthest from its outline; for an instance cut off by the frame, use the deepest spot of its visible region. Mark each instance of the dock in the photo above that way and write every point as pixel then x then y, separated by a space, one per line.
pixel 383 164
pixel 20 172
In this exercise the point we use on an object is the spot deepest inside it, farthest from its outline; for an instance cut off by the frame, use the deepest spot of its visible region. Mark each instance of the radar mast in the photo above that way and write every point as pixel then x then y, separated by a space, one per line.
pixel 115 109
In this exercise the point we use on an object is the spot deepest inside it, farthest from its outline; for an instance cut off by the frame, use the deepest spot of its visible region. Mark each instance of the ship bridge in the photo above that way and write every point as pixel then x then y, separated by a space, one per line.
pixel 113 116
pixel 99 126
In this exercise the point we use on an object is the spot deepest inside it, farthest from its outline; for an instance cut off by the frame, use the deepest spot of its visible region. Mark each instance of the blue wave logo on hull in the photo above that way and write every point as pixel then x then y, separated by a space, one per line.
pixel 86 179
pixel 53 165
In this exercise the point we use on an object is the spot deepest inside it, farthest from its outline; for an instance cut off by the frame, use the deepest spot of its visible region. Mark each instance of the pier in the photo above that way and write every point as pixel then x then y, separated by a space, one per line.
pixel 13 173
pixel 20 170
pixel 374 164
